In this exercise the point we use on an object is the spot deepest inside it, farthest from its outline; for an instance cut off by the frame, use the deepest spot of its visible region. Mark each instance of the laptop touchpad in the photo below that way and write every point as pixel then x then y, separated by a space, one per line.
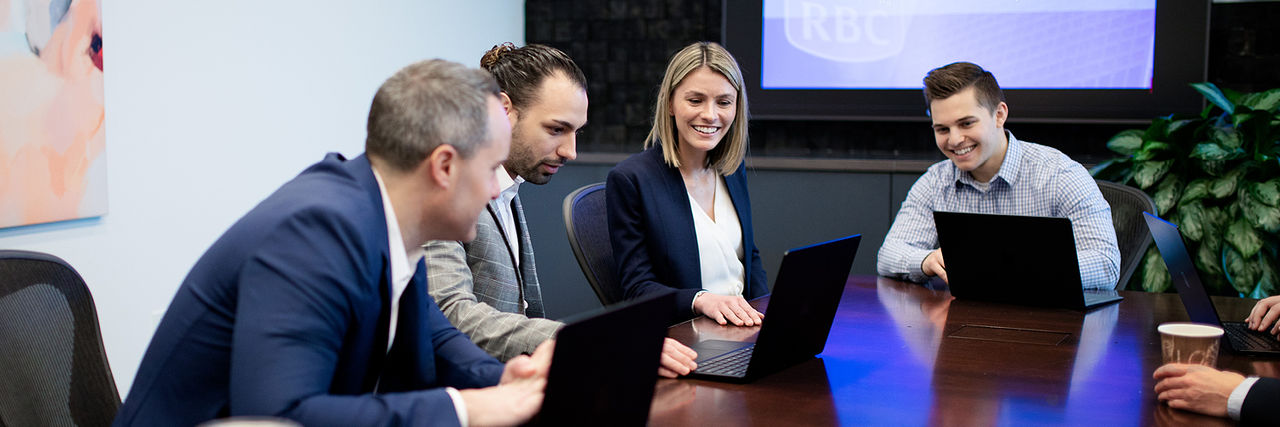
pixel 712 348
pixel 1013 335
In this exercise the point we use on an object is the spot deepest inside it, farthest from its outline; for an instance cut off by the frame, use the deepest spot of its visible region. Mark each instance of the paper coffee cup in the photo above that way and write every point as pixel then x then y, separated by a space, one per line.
pixel 1193 343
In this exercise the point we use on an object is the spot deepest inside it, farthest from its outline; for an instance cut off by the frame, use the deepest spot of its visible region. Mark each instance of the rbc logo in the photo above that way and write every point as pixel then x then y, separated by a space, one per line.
pixel 848 30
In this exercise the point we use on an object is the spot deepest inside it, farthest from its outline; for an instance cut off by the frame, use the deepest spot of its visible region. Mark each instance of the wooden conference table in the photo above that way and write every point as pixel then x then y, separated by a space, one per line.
pixel 902 354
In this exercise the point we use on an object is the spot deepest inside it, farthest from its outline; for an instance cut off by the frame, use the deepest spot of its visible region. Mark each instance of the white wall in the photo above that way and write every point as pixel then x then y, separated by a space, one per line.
pixel 211 105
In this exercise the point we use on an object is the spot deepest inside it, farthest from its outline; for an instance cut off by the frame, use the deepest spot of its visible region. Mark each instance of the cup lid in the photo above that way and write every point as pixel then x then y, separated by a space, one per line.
pixel 1189 329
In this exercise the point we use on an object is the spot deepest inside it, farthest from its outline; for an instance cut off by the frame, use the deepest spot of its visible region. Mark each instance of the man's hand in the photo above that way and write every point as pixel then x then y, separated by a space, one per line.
pixel 677 359
pixel 1196 388
pixel 727 309
pixel 505 404
pixel 526 368
pixel 933 265
pixel 1264 314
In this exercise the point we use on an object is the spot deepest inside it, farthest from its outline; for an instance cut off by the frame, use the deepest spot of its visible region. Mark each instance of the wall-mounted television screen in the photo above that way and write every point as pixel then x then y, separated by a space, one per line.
pixel 1080 60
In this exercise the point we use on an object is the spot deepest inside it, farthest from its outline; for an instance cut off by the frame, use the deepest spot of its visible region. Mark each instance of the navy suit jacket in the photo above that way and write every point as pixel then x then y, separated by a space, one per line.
pixel 1262 404
pixel 287 315
pixel 651 230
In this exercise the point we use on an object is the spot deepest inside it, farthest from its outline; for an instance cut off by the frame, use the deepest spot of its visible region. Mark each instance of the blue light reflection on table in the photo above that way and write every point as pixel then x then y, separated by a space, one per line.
pixel 881 368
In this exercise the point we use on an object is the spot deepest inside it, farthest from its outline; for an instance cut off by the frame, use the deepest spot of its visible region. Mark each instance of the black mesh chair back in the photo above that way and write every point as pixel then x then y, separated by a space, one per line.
pixel 588 227
pixel 1133 237
pixel 53 368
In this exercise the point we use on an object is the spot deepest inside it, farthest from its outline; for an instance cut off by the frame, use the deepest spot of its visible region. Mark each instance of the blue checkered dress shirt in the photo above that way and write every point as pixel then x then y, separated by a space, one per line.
pixel 1034 180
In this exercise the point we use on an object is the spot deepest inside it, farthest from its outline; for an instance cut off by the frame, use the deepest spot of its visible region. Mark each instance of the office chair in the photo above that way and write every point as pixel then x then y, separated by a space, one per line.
pixel 588 228
pixel 1132 236
pixel 55 369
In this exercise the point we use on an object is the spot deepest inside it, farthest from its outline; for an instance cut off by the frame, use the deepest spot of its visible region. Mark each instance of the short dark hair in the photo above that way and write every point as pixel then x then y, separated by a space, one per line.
pixel 425 105
pixel 521 70
pixel 950 79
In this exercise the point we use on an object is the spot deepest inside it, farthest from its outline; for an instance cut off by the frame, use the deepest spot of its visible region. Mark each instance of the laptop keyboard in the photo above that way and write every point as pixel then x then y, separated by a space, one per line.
pixel 1248 339
pixel 733 363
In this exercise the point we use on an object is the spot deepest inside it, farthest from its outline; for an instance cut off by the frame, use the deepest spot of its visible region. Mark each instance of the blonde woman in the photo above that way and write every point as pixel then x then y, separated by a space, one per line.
pixel 679 215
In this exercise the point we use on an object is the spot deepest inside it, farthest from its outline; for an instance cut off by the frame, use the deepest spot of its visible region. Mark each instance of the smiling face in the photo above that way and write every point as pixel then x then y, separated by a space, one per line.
pixel 544 133
pixel 703 107
pixel 970 135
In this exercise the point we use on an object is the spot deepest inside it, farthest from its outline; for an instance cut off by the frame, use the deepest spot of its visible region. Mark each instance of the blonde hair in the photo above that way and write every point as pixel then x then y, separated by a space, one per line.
pixel 728 155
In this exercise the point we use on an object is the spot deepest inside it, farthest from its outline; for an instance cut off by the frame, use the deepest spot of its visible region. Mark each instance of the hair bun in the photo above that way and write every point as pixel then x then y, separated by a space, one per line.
pixel 491 57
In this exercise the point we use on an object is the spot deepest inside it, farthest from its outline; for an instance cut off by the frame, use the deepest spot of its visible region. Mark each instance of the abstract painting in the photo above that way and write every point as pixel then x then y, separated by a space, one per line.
pixel 52 144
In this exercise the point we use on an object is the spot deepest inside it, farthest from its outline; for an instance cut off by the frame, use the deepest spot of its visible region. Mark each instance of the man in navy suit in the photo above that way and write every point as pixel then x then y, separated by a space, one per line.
pixel 314 306
pixel 1250 400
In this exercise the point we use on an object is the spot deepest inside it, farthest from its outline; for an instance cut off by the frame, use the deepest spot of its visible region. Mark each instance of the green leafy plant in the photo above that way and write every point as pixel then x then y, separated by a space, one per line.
pixel 1217 176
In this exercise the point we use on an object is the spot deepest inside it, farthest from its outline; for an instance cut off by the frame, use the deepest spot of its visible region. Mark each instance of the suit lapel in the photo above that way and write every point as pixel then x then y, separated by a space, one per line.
pixel 506 246
pixel 530 291
pixel 687 263
pixel 410 365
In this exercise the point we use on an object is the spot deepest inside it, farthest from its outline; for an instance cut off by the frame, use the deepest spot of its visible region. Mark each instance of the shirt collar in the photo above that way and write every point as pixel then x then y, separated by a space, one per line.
pixel 508 185
pixel 1008 169
pixel 403 262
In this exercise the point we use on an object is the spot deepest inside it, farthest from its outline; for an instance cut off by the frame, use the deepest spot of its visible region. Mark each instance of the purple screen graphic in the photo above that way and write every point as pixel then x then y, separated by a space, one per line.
pixel 877 44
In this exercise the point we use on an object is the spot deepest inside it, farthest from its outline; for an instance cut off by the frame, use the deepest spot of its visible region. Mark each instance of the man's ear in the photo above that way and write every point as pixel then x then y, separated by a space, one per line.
pixel 510 109
pixel 441 165
pixel 1002 114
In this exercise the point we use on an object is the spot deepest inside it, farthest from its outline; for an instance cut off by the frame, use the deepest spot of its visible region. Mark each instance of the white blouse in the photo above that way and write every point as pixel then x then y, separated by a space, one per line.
pixel 719 243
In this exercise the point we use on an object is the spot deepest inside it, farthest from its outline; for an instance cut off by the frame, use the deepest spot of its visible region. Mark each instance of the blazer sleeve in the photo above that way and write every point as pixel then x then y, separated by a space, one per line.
pixel 1260 405
pixel 293 312
pixel 451 282
pixel 629 237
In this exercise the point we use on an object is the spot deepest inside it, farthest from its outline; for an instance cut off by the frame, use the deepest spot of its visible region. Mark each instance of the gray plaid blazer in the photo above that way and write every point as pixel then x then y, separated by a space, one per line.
pixel 479 289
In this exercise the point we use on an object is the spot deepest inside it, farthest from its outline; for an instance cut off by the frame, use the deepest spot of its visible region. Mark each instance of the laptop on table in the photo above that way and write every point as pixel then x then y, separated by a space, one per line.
pixel 1014 259
pixel 1196 299
pixel 803 304
pixel 605 365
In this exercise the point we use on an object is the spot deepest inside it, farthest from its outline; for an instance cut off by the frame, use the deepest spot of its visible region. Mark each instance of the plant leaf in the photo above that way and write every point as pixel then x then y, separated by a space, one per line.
pixel 1256 211
pixel 1196 190
pixel 1126 142
pixel 1158 129
pixel 1243 272
pixel 1267 192
pixel 1192 221
pixel 1264 101
pixel 1155 275
pixel 1177 126
pixel 1148 173
pixel 1225 185
pixel 1210 151
pixel 1209 256
pixel 1167 193
pixel 1227 138
pixel 1150 150
pixel 1243 237
pixel 1232 95
pixel 1270 281
pixel 1113 170
pixel 1214 96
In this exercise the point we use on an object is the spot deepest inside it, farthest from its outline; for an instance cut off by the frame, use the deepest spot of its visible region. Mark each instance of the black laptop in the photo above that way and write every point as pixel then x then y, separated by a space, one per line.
pixel 605 365
pixel 1014 259
pixel 805 295
pixel 1199 306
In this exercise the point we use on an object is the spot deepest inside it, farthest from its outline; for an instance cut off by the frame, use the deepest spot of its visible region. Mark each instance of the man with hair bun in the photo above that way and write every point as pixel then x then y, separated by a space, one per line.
pixel 489 287
pixel 989 171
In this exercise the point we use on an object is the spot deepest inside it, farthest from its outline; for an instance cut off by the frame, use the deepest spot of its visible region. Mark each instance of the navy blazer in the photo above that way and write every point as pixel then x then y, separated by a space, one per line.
pixel 1260 404
pixel 651 229
pixel 287 315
